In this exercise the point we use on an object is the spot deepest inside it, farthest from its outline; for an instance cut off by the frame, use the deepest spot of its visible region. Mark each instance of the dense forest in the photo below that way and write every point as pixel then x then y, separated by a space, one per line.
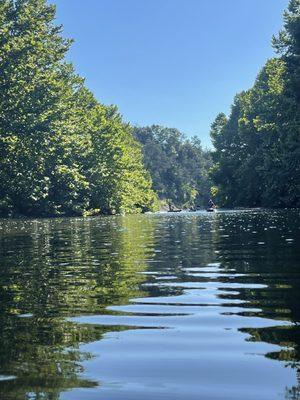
pixel 61 151
pixel 257 148
pixel 178 166
pixel 64 153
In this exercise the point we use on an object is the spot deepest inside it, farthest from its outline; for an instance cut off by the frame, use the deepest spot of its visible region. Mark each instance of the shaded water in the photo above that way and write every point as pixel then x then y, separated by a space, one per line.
pixel 183 306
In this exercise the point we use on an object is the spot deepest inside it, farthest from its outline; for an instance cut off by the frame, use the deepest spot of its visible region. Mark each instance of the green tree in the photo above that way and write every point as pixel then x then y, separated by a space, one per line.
pixel 178 166
pixel 53 132
pixel 119 180
pixel 257 149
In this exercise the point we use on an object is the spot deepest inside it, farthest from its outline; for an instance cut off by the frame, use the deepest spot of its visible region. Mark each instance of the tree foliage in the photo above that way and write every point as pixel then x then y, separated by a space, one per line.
pixel 257 148
pixel 178 167
pixel 61 152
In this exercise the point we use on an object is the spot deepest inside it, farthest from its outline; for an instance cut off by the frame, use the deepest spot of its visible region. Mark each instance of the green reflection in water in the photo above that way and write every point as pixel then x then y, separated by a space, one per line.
pixel 274 264
pixel 57 268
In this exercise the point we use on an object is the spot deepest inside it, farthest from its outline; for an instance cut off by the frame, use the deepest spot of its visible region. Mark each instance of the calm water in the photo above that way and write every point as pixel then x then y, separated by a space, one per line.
pixel 167 306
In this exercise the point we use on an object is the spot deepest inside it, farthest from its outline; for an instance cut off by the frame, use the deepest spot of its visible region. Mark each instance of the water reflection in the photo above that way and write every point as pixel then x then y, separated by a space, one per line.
pixel 220 293
pixel 52 269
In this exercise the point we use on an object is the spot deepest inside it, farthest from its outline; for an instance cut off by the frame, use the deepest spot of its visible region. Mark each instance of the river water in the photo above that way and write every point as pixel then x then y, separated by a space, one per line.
pixel 165 306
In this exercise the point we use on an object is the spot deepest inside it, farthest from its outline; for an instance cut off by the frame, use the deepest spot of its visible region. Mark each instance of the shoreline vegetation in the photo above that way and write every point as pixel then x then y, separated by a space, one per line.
pixel 257 147
pixel 62 153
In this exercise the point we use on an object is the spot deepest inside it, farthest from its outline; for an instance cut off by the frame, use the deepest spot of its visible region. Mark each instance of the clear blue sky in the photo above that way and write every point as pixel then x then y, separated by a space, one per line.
pixel 176 63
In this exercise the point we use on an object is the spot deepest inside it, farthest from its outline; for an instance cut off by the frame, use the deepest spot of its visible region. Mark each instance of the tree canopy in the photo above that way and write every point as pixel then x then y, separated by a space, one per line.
pixel 61 151
pixel 257 148
pixel 178 166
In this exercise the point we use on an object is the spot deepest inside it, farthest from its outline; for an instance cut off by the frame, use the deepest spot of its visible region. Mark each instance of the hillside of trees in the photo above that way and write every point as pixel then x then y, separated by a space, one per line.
pixel 257 147
pixel 61 151
pixel 178 167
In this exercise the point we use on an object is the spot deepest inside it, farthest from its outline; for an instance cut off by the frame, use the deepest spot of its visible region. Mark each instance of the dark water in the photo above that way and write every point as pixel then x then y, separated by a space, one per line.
pixel 184 306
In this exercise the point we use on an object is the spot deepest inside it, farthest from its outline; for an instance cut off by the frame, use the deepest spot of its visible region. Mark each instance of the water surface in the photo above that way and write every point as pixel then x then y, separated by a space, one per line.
pixel 166 306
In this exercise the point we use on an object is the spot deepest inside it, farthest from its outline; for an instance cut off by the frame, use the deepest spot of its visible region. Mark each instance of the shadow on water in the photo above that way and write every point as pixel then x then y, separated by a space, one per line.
pixel 226 287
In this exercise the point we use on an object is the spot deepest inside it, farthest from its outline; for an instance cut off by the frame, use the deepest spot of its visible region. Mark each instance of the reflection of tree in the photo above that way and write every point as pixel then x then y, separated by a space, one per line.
pixel 275 267
pixel 294 392
pixel 185 242
pixel 43 355
pixel 57 269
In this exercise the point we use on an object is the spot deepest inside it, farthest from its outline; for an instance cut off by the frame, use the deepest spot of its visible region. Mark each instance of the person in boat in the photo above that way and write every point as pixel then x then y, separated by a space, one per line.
pixel 211 204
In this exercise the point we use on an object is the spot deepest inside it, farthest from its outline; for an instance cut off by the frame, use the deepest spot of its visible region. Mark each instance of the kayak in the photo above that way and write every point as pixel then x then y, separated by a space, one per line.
pixel 211 209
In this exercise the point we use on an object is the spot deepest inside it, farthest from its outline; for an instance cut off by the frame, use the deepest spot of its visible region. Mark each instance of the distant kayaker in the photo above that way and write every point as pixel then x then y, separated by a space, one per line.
pixel 211 204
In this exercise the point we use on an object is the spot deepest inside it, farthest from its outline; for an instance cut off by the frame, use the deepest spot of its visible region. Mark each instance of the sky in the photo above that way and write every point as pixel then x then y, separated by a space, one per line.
pixel 176 63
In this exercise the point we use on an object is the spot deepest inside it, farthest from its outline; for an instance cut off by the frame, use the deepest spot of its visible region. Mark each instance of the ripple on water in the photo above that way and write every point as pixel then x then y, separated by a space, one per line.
pixel 157 306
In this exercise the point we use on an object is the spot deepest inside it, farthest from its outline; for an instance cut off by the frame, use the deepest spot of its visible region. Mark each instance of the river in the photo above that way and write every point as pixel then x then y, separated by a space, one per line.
pixel 167 306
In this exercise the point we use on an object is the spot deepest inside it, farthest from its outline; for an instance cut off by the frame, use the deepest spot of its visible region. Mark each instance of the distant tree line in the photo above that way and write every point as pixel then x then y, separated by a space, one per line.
pixel 178 166
pixel 257 148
